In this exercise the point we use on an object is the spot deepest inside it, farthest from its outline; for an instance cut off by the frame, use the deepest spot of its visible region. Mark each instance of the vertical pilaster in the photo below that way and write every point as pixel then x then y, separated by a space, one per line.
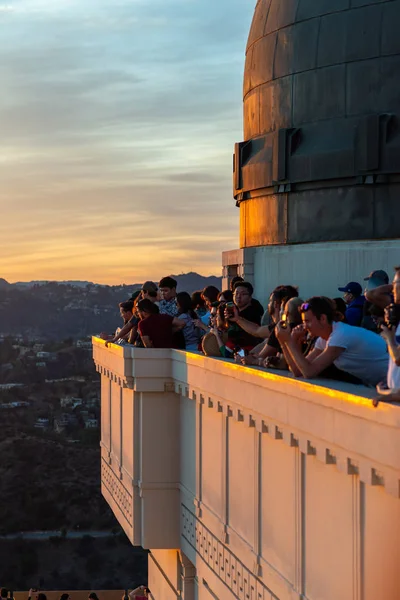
pixel 299 508
pixel 187 577
pixel 121 441
pixel 199 452
pixel 357 498
pixel 109 408
pixel 225 476
pixel 257 502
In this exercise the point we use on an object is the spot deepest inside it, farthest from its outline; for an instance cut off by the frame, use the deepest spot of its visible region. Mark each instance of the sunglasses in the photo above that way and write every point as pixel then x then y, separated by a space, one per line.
pixel 305 307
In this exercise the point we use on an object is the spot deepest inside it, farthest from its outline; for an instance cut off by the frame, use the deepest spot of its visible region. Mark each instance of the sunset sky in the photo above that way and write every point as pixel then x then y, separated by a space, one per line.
pixel 118 120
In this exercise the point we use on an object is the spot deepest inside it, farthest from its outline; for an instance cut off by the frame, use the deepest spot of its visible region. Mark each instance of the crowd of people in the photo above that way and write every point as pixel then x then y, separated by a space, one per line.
pixel 354 337
pixel 140 593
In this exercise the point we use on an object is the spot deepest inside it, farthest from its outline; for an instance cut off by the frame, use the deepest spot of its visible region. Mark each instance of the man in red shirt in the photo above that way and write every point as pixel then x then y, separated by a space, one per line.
pixel 156 330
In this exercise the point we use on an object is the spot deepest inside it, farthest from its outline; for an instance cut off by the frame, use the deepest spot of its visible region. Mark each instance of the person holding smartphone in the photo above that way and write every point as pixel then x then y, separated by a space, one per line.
pixel 213 343
pixel 242 300
pixel 283 303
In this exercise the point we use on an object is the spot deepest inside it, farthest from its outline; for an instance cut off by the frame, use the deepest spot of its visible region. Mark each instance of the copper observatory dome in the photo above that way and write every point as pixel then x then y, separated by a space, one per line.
pixel 321 156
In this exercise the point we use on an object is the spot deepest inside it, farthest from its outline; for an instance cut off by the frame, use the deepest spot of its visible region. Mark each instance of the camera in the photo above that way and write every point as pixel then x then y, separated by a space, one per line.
pixel 392 316
pixel 272 361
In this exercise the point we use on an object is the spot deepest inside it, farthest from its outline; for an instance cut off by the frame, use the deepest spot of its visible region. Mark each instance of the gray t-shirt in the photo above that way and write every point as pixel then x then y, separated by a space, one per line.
pixel 365 354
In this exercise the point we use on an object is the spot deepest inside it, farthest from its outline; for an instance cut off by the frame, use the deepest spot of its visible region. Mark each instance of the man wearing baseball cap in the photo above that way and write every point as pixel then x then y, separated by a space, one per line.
pixel 353 296
pixel 378 290
pixel 377 278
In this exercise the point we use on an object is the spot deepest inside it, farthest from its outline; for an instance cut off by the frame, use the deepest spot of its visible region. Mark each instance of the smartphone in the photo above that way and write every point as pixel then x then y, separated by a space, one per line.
pixel 229 309
pixel 241 353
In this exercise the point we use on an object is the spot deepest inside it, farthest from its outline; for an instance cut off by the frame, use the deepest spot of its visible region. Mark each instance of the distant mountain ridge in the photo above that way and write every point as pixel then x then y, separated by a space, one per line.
pixel 188 282
pixel 30 284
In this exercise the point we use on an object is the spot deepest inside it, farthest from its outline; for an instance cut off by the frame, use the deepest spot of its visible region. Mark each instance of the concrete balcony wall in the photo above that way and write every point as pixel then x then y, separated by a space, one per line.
pixel 139 453
pixel 270 487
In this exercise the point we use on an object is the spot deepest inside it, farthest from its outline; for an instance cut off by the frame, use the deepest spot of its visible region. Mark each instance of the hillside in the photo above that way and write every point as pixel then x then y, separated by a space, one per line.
pixel 50 477
pixel 59 310
pixel 62 481
pixel 64 564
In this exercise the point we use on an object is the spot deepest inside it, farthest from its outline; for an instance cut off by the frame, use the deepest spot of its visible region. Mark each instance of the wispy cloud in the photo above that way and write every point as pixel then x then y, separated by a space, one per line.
pixel 118 122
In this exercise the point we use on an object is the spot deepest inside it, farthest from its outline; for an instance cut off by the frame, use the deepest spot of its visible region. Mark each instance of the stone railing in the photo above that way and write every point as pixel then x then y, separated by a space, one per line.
pixel 272 487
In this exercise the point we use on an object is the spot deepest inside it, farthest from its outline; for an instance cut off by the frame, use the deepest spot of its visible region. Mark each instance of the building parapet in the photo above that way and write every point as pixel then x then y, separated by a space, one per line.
pixel 294 482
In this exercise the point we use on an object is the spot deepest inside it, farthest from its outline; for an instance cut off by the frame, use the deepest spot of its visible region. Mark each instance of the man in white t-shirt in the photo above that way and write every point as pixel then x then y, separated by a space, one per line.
pixel 391 392
pixel 357 351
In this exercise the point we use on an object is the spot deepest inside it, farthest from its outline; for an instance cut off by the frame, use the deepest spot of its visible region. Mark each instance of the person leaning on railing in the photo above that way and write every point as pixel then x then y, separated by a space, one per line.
pixel 356 351
pixel 125 331
pixel 156 330
pixel 390 391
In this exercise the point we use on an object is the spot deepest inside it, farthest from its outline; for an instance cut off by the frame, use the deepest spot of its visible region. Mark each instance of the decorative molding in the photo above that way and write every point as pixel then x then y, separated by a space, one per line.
pixel 124 381
pixel 224 564
pixel 346 462
pixel 118 491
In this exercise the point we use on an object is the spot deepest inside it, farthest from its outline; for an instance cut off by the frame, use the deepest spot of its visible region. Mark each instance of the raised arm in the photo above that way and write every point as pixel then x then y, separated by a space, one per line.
pixel 291 363
pixel 261 331
pixel 394 350
pixel 298 336
pixel 380 296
